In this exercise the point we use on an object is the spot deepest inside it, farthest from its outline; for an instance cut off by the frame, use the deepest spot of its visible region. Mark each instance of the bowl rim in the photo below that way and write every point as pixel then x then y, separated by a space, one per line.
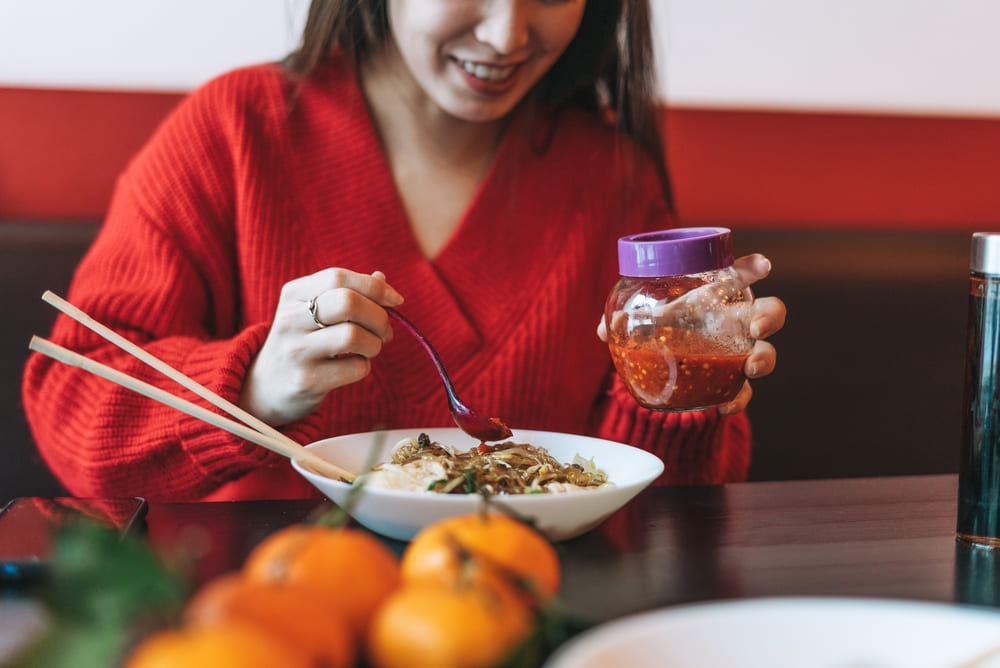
pixel 656 468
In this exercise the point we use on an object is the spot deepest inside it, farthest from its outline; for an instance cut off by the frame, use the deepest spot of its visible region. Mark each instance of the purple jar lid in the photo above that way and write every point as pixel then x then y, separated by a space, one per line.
pixel 682 250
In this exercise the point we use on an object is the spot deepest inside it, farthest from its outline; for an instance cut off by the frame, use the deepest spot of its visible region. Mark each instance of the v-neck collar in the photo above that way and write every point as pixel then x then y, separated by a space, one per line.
pixel 451 298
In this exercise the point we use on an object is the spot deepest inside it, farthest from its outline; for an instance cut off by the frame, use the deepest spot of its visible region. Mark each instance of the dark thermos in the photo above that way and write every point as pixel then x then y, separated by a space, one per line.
pixel 979 467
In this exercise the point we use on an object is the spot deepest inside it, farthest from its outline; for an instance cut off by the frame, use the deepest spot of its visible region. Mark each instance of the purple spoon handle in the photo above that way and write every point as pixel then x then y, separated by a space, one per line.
pixel 471 422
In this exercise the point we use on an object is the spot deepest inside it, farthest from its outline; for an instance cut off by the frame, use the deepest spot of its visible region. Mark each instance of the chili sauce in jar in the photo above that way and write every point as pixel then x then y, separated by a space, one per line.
pixel 678 319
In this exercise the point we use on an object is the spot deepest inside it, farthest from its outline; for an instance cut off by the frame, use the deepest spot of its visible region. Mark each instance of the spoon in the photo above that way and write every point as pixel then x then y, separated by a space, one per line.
pixel 473 423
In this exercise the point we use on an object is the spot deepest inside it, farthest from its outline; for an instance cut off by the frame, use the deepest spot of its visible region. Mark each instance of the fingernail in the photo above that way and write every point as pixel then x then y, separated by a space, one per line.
pixel 392 297
pixel 751 371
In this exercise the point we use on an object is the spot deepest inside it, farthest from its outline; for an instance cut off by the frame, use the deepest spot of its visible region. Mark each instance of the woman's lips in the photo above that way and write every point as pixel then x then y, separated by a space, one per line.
pixel 485 78
pixel 491 73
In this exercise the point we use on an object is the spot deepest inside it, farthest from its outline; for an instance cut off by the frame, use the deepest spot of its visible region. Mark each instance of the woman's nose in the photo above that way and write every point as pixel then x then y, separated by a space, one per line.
pixel 504 26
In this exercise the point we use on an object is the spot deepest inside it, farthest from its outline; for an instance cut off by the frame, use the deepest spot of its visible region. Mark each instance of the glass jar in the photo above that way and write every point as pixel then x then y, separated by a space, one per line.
pixel 678 319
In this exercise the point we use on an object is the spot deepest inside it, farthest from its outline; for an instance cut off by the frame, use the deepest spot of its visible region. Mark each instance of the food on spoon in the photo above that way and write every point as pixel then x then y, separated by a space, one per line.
pixel 502 427
pixel 418 464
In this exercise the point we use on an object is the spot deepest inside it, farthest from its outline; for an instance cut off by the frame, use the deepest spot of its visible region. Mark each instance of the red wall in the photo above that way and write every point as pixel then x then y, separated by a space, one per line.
pixel 60 152
pixel 785 168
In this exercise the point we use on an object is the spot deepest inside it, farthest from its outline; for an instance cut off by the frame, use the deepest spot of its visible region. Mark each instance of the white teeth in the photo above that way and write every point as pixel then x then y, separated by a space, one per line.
pixel 485 72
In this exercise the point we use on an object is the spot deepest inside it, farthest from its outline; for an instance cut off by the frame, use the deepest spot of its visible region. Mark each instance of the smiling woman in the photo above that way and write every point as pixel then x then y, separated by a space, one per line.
pixel 257 240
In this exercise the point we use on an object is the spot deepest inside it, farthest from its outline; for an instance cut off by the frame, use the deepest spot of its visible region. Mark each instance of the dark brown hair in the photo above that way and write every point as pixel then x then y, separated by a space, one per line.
pixel 607 67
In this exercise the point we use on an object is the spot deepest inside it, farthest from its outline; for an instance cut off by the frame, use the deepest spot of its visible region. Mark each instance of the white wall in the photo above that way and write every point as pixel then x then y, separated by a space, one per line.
pixel 922 56
pixel 139 44
pixel 909 56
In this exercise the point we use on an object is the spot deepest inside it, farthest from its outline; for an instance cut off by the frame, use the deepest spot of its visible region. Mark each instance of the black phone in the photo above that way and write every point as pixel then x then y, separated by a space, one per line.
pixel 28 525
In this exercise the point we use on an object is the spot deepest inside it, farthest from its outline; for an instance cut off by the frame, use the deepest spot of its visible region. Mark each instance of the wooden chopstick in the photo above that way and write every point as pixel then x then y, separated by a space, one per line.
pixel 285 446
pixel 164 368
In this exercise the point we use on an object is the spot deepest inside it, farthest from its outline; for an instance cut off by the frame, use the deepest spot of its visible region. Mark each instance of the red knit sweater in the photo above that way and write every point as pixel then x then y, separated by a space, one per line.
pixel 240 191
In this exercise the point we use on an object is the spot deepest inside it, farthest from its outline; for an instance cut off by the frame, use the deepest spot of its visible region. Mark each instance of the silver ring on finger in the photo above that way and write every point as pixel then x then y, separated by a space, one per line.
pixel 313 308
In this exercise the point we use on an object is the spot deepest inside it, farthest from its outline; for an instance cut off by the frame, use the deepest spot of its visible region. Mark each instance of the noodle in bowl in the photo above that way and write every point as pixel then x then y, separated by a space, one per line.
pixel 400 514
pixel 419 464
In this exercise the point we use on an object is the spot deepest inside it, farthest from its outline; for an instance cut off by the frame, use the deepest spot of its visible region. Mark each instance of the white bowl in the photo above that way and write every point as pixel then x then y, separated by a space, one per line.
pixel 560 515
pixel 794 633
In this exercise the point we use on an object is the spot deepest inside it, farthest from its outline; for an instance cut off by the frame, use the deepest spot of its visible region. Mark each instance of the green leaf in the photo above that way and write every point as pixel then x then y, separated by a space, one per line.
pixel 103 590
pixel 553 626
pixel 78 646
pixel 470 480
pixel 101 577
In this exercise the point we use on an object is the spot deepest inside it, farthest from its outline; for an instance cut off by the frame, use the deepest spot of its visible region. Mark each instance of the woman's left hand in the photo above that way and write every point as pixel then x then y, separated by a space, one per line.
pixel 768 317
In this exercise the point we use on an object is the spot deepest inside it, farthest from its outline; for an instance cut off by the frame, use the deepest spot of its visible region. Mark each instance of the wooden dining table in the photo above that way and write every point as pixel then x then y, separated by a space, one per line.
pixel 861 538
pixel 884 537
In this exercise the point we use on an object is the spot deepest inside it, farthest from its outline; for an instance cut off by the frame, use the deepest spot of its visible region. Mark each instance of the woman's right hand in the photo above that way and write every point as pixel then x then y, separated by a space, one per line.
pixel 302 359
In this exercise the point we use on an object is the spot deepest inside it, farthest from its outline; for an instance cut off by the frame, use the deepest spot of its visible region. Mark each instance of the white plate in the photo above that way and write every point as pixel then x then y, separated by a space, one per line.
pixel 792 632
pixel 560 516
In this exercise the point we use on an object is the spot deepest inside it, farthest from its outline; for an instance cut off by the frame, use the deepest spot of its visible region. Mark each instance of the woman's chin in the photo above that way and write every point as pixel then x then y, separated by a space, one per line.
pixel 479 112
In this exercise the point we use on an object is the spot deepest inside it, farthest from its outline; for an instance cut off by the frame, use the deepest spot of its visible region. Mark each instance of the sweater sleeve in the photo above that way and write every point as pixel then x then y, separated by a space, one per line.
pixel 162 273
pixel 697 447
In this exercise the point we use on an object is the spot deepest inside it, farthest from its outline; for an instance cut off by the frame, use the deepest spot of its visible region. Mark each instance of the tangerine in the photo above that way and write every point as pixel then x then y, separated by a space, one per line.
pixel 347 568
pixel 224 645
pixel 482 548
pixel 291 613
pixel 430 625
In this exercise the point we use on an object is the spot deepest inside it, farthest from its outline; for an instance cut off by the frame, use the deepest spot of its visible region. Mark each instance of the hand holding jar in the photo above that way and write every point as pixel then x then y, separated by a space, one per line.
pixel 682 325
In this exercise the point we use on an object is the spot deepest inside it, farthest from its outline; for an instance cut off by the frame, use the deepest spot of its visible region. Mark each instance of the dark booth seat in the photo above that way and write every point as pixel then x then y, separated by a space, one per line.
pixel 34 257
